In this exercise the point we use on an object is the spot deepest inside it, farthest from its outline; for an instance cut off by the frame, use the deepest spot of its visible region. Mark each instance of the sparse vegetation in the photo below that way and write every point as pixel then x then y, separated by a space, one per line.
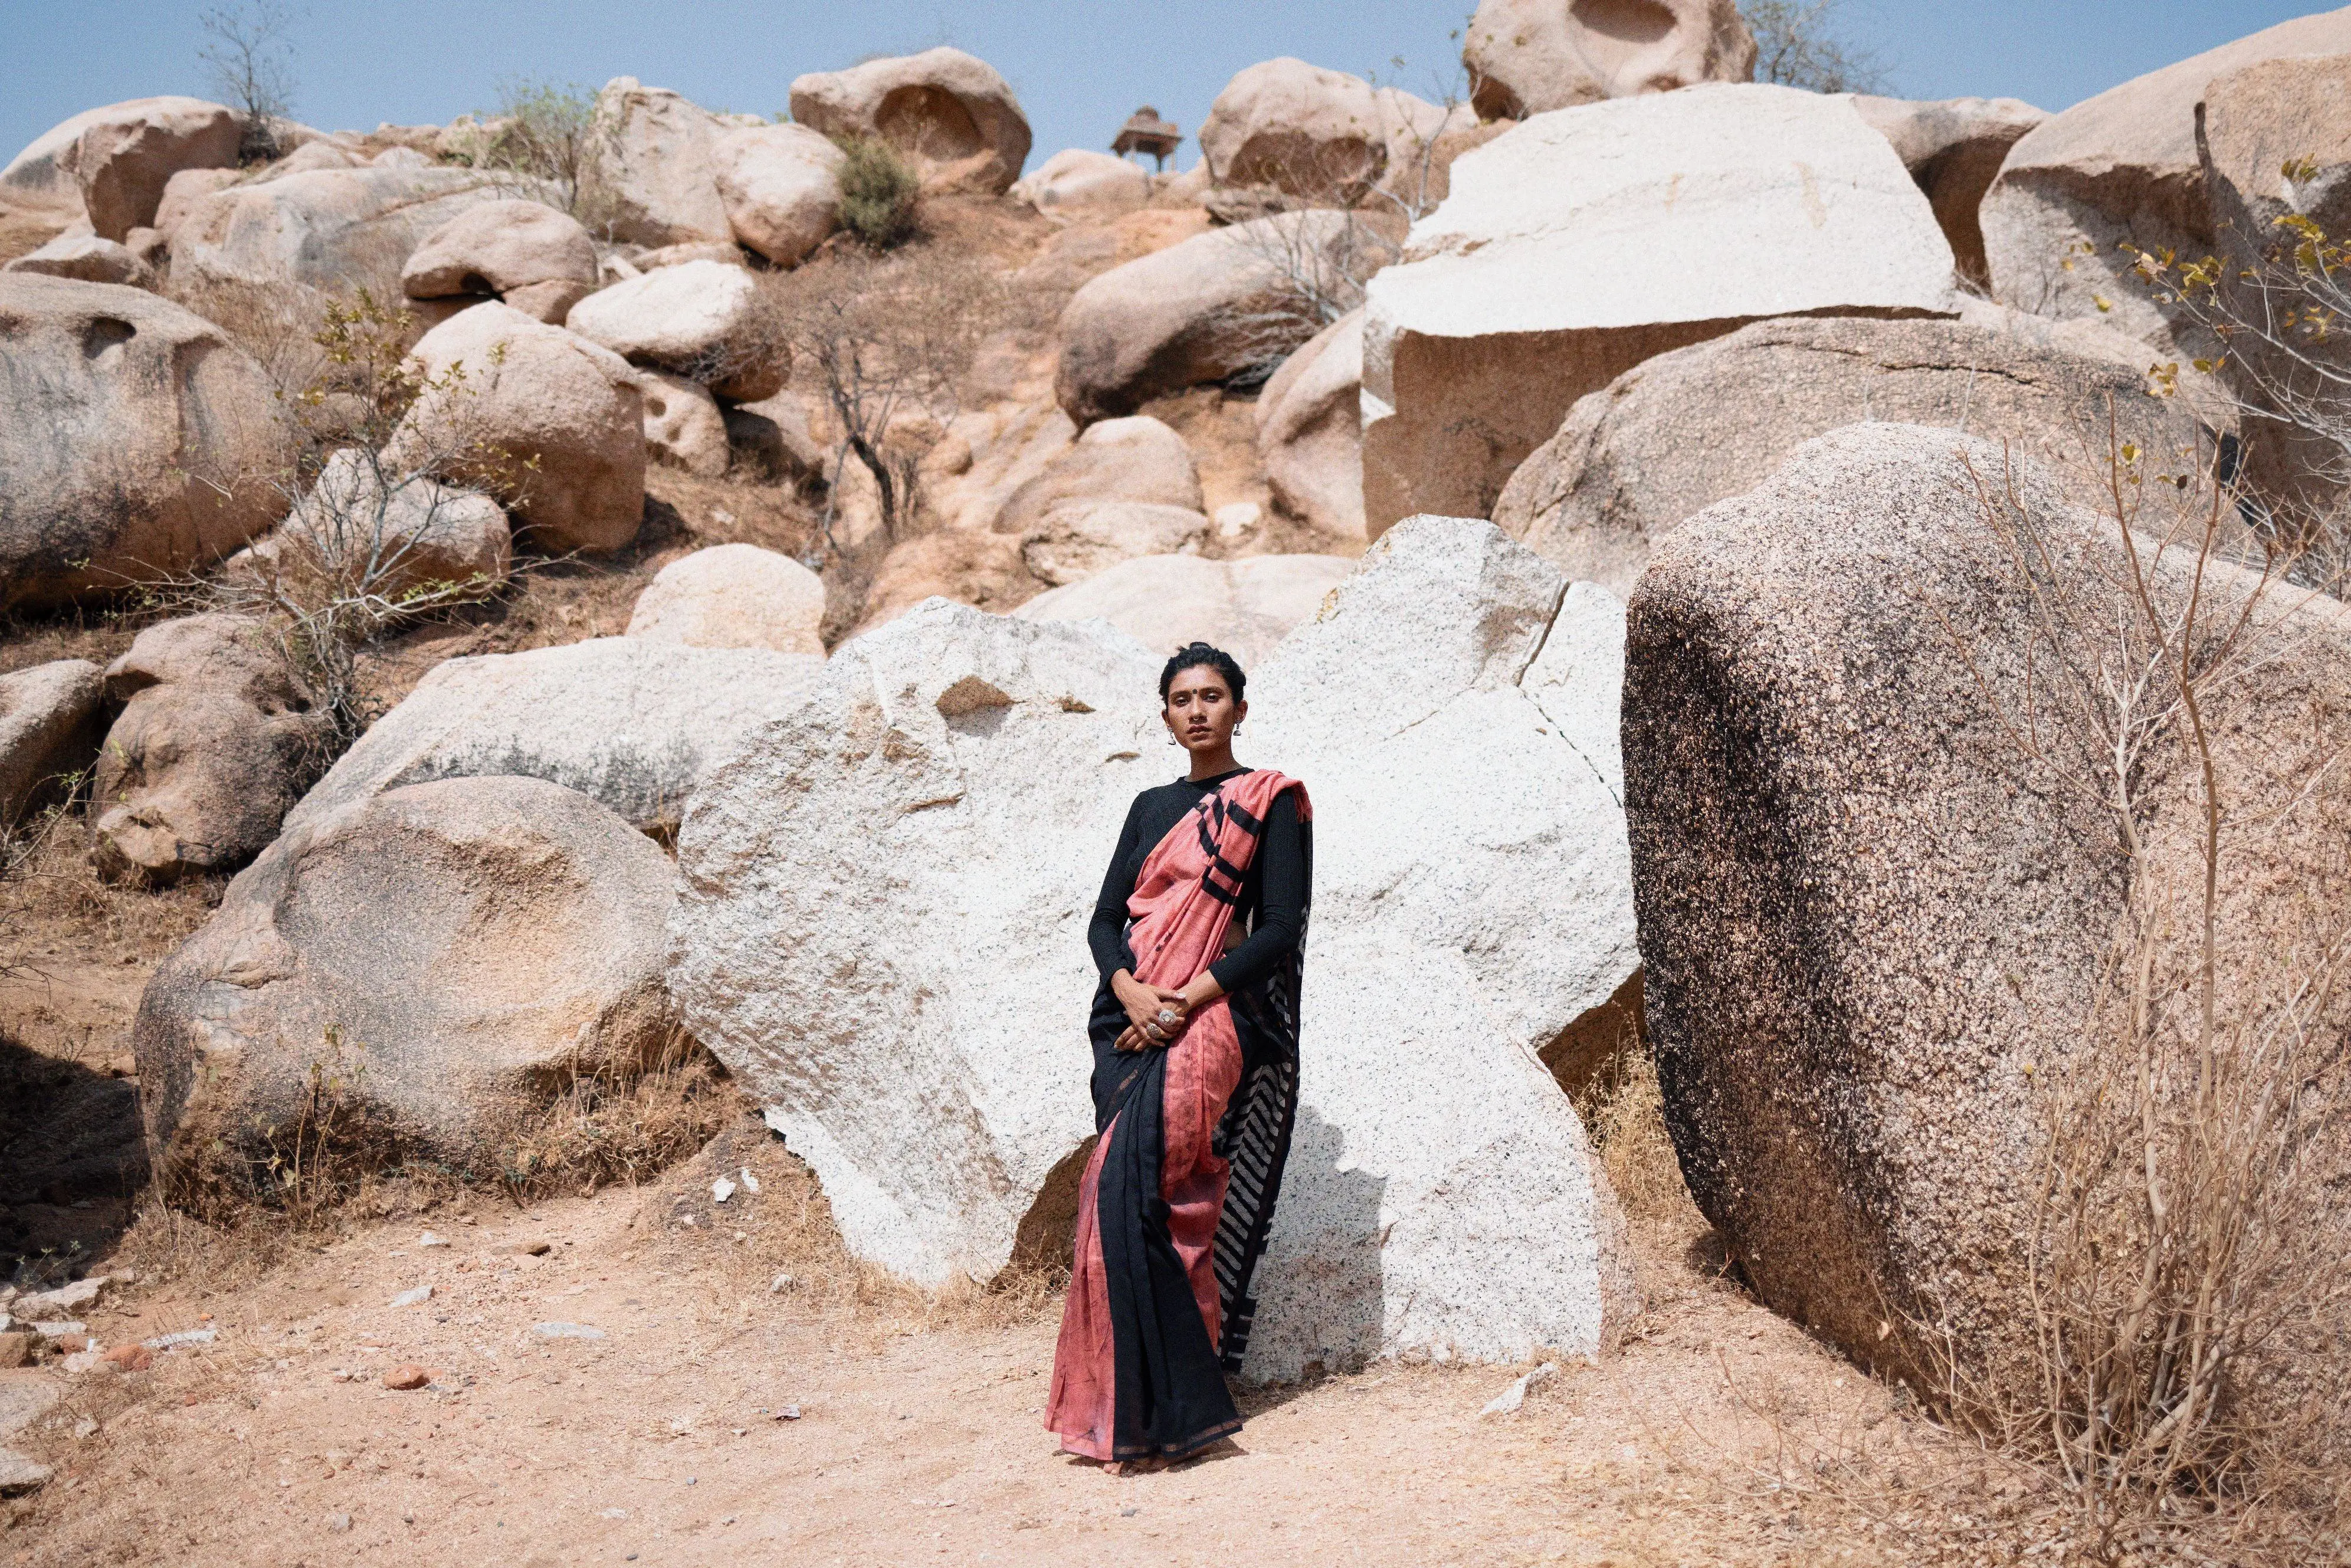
pixel 250 54
pixel 1797 45
pixel 546 134
pixel 881 193
pixel 889 341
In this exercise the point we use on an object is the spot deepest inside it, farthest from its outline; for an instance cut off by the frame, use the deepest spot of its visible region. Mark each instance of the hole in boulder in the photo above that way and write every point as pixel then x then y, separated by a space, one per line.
pixel 105 332
pixel 1633 22
pixel 928 123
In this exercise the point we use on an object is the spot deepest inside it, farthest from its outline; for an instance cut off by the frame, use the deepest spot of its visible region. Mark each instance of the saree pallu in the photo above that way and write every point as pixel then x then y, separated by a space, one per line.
pixel 1178 1196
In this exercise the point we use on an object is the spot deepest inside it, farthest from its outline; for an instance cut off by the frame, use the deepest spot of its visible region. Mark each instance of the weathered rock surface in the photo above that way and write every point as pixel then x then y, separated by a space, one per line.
pixel 122 161
pixel 1313 132
pixel 86 258
pixel 401 531
pixel 42 176
pixel 546 422
pixel 949 110
pixel 2120 167
pixel 1440 1192
pixel 1133 459
pixel 50 725
pixel 1873 924
pixel 698 319
pixel 1309 429
pixel 684 427
pixel 1525 56
pixel 780 187
pixel 1078 538
pixel 452 954
pixel 1198 311
pixel 1585 241
pixel 183 191
pixel 1637 459
pixel 1165 602
pixel 1077 182
pixel 330 229
pixel 139 442
pixel 2252 126
pixel 653 173
pixel 733 596
pixel 1953 148
pixel 536 258
pixel 632 722
pixel 215 740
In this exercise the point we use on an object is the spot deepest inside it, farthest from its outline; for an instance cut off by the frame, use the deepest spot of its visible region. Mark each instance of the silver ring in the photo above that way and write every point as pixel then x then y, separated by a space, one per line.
pixel 1165 1016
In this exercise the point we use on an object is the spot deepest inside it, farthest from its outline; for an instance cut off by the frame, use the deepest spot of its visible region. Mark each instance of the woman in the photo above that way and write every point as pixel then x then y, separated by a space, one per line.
pixel 1198 934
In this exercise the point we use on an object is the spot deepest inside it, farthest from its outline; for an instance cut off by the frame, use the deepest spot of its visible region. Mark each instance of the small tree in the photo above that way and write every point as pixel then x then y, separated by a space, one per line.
pixel 362 548
pixel 880 192
pixel 1795 46
pixel 545 132
pixel 250 56
pixel 889 341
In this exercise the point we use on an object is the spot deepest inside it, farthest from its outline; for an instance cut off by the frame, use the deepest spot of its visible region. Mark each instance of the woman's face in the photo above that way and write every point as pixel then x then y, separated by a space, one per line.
pixel 1200 711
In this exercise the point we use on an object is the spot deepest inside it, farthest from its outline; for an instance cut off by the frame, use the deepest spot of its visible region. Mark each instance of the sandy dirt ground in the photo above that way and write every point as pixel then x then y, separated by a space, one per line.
pixel 712 1419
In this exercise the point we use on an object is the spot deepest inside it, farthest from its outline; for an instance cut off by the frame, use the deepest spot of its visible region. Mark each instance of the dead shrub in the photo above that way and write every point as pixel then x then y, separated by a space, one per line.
pixel 2191 1143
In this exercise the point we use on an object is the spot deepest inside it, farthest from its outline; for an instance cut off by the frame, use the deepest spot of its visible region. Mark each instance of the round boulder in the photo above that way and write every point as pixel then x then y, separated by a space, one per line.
pixel 698 319
pixel 1637 459
pixel 536 259
pixel 733 596
pixel 45 176
pixel 87 259
pixel 139 442
pixel 443 959
pixel 1313 132
pixel 1527 55
pixel 1076 182
pixel 780 188
pixel 1309 429
pixel 949 111
pixel 544 419
pixel 123 162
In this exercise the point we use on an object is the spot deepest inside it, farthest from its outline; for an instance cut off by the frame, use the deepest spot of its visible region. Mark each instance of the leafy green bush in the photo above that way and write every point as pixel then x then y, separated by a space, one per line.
pixel 879 190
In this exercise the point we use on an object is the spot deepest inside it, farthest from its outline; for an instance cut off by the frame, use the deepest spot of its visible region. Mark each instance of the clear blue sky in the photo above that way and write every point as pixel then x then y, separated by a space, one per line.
pixel 1079 66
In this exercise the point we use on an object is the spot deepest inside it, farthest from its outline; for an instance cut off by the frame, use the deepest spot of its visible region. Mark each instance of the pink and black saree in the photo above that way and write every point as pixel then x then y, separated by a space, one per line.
pixel 1177 1201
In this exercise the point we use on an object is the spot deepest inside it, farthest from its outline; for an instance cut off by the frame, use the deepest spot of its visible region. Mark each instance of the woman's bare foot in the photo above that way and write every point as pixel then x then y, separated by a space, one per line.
pixel 1134 1467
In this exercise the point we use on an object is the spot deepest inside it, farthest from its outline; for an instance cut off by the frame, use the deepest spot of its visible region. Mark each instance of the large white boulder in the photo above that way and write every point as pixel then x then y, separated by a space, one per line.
pixel 1078 182
pixel 146 135
pixel 698 319
pixel 1440 1191
pixel 1525 56
pixel 734 596
pixel 2122 168
pixel 1587 240
pixel 450 958
pixel 1314 132
pixel 537 258
pixel 1309 429
pixel 949 111
pixel 654 177
pixel 631 721
pixel 139 443
pixel 331 229
pixel 1164 601
pixel 780 186
pixel 550 423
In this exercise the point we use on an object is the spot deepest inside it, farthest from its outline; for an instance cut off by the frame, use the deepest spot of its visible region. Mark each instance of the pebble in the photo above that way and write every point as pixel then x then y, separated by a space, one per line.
pixel 788 1413
pixel 528 1248
pixel 1510 1398
pixel 416 1296
pixel 404 1378
pixel 18 1474
pixel 185 1336
pixel 721 1190
pixel 339 1523
pixel 750 1183
pixel 129 1358
pixel 15 1349
pixel 566 1330
pixel 431 1239
pixel 780 1284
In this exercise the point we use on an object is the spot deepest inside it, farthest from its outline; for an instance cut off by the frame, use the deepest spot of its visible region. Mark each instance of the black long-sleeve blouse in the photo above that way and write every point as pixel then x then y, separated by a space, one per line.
pixel 1273 891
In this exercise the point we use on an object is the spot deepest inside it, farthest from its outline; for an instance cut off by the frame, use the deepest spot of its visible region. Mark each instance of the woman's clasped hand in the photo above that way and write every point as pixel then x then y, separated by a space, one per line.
pixel 1155 1015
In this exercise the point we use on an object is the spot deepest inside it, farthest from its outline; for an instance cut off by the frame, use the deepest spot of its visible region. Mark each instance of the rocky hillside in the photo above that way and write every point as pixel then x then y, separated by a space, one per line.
pixel 621 616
